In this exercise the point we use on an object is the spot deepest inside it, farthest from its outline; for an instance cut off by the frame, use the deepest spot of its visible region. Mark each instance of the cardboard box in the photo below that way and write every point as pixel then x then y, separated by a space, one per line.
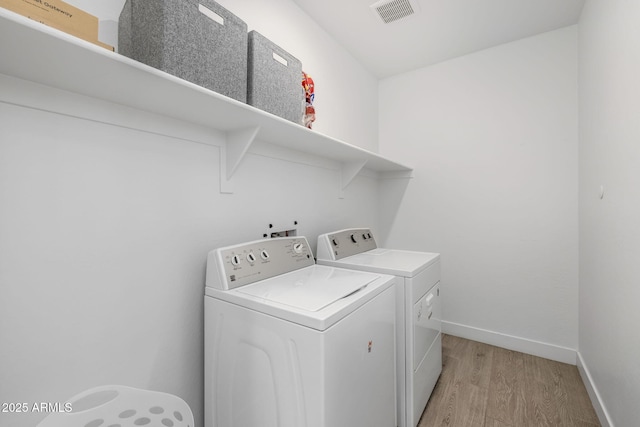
pixel 104 45
pixel 197 40
pixel 59 15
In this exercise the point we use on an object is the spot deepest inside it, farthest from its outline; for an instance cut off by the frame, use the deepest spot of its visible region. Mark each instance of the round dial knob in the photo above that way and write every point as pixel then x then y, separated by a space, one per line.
pixel 335 242
pixel 235 260
pixel 264 254
pixel 353 238
pixel 297 248
pixel 364 236
pixel 251 257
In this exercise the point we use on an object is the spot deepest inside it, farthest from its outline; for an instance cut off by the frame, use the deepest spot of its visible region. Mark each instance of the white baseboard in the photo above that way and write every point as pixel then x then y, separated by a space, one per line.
pixel 523 345
pixel 596 401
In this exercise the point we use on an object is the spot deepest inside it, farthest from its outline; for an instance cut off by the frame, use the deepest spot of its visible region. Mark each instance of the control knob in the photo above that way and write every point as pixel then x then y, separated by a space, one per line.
pixel 297 248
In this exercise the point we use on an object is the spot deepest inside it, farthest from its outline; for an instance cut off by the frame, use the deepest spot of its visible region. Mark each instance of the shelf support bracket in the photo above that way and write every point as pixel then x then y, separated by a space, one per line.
pixel 233 152
pixel 406 174
pixel 349 171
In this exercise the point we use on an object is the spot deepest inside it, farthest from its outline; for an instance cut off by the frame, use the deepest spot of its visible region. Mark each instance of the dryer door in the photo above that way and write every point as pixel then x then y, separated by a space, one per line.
pixel 426 324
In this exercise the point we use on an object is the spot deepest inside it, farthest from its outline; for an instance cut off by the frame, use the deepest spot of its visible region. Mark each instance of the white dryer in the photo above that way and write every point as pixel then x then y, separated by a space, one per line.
pixel 289 343
pixel 419 344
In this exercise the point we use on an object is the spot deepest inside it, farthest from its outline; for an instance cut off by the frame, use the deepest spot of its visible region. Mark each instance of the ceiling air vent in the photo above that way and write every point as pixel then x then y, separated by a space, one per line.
pixel 392 10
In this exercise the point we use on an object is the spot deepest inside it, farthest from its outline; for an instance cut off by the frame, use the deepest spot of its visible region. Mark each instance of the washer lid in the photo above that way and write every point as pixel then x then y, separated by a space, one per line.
pixel 333 292
pixel 390 261
pixel 310 289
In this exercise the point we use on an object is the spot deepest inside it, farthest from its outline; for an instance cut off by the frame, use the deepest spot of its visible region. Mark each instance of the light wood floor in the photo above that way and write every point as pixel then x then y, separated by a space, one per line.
pixel 482 385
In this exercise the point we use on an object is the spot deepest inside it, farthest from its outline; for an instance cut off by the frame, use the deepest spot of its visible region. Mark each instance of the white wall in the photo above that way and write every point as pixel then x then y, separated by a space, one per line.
pixel 105 227
pixel 610 227
pixel 493 139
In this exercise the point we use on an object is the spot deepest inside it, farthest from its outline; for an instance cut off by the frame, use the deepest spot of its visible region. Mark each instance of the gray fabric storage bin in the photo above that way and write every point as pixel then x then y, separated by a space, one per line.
pixel 271 85
pixel 124 31
pixel 177 37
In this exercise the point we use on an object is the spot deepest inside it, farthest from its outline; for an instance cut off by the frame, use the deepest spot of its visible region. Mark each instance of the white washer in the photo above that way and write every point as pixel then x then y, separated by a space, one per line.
pixel 289 343
pixel 419 345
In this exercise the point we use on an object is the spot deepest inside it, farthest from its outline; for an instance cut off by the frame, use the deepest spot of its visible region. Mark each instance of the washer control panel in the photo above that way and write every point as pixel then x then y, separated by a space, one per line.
pixel 240 265
pixel 344 243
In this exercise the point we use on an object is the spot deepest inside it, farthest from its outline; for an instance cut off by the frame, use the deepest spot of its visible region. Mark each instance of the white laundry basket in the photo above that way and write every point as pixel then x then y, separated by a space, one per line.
pixel 120 406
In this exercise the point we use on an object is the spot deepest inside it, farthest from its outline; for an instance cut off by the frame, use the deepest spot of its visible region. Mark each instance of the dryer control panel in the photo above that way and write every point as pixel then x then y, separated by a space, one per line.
pixel 344 243
pixel 234 266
